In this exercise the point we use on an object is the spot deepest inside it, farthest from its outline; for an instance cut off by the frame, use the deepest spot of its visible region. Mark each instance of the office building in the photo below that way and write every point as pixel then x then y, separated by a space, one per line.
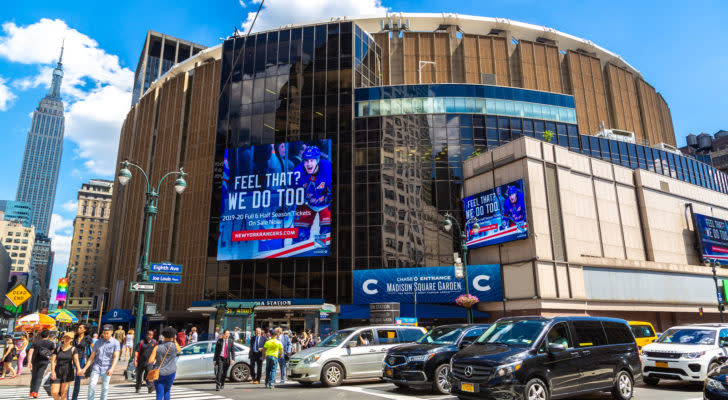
pixel 18 240
pixel 710 149
pixel 88 247
pixel 17 211
pixel 405 99
pixel 159 54
pixel 42 155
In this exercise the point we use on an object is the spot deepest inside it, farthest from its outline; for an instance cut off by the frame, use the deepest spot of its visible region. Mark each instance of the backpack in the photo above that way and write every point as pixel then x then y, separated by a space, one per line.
pixel 44 353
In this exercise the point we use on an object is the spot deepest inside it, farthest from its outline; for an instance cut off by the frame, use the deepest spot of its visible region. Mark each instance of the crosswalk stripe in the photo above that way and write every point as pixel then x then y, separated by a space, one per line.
pixel 117 392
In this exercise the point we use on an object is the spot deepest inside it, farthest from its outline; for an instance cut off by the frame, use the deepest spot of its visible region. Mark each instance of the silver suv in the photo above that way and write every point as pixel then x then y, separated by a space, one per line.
pixel 354 353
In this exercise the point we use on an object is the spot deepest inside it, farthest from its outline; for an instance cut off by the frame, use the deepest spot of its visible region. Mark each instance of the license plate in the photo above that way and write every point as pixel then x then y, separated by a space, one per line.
pixel 388 372
pixel 660 364
pixel 467 387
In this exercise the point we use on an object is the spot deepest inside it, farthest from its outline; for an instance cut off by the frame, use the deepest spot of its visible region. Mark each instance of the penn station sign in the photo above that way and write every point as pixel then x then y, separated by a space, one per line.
pixel 429 284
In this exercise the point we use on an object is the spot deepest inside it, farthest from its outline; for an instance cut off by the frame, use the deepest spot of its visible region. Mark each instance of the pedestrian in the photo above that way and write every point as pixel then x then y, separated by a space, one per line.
pixel 217 332
pixel 8 357
pixel 256 355
pixel 285 339
pixel 164 359
pixel 22 347
pixel 193 335
pixel 64 366
pixel 273 351
pixel 181 337
pixel 94 338
pixel 39 356
pixel 224 355
pixel 236 334
pixel 141 362
pixel 102 362
pixel 304 340
pixel 128 343
pixel 83 344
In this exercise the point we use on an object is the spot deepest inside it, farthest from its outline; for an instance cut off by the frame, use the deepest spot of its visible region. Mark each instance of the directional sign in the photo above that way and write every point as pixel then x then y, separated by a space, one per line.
pixel 141 287
pixel 168 268
pixel 165 278
pixel 18 295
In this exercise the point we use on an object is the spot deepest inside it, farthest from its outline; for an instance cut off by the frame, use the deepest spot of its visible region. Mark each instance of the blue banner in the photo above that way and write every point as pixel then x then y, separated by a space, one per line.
pixel 168 268
pixel 500 214
pixel 165 278
pixel 428 284
pixel 713 238
pixel 276 201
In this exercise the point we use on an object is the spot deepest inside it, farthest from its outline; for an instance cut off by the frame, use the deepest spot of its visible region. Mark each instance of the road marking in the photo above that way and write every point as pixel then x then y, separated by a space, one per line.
pixel 386 395
pixel 118 392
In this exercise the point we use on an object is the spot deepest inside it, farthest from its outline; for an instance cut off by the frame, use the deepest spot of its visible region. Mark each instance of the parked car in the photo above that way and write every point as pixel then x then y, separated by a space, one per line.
pixel 644 333
pixel 539 358
pixel 685 353
pixel 716 384
pixel 355 353
pixel 426 362
pixel 195 362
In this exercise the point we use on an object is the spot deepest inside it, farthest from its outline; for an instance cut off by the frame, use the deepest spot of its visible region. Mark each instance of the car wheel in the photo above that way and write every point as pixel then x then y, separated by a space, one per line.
pixel 623 386
pixel 650 381
pixel 332 375
pixel 441 382
pixel 713 365
pixel 240 372
pixel 535 389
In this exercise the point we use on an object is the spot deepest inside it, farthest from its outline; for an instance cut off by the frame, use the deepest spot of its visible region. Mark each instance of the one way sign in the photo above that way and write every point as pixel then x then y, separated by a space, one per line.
pixel 141 287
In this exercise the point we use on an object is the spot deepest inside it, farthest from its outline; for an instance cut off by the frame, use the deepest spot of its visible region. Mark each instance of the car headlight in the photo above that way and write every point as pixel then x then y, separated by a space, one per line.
pixel 509 369
pixel 311 359
pixel 714 384
pixel 420 358
pixel 694 355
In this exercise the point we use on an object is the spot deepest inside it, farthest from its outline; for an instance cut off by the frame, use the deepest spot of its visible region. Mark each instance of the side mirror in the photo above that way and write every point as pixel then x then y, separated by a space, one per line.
pixel 555 348
pixel 465 343
pixel 351 344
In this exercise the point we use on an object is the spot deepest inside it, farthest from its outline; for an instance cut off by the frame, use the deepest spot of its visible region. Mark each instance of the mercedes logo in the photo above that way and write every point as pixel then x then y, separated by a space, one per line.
pixel 469 371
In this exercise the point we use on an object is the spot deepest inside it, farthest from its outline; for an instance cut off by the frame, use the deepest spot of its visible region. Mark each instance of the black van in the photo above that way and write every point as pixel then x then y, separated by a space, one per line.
pixel 426 362
pixel 537 358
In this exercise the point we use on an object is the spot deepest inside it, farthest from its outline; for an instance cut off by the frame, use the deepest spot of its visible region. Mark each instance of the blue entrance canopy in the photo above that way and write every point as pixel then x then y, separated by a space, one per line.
pixel 424 311
pixel 117 315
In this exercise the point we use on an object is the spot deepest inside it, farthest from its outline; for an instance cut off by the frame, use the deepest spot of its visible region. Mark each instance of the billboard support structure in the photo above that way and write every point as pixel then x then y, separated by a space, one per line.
pixel 711 238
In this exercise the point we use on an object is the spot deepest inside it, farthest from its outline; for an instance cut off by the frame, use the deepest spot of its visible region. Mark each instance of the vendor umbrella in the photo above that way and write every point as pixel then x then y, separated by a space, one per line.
pixel 35 321
pixel 64 316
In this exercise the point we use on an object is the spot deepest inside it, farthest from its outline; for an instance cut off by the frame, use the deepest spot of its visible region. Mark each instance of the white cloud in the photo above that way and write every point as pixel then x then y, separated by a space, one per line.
pixel 6 96
pixel 70 206
pixel 61 234
pixel 96 88
pixel 281 12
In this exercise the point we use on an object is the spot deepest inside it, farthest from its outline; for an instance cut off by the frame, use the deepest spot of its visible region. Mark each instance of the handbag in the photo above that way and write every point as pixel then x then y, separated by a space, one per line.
pixel 153 374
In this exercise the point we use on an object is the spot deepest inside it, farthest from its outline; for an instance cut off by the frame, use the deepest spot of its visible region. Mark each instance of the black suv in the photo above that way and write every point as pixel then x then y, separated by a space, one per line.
pixel 426 362
pixel 537 358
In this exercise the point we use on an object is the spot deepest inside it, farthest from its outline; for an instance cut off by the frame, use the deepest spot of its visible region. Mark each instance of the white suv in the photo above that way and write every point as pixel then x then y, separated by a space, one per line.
pixel 685 353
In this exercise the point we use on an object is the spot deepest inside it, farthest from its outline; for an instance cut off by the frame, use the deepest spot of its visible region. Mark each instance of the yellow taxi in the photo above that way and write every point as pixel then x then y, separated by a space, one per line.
pixel 644 333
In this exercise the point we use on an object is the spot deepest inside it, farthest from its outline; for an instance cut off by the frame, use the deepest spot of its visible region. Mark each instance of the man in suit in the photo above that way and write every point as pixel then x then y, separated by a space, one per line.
pixel 224 355
pixel 256 355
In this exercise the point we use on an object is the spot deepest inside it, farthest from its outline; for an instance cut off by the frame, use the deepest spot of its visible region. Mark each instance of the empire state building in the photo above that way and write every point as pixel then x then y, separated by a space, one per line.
pixel 42 156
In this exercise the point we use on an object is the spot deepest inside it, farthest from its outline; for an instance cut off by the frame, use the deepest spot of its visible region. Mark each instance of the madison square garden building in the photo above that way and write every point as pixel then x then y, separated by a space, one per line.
pixel 390 108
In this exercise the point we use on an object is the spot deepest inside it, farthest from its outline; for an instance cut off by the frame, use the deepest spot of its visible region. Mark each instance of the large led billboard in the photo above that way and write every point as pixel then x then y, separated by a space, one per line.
pixel 276 201
pixel 713 238
pixel 500 214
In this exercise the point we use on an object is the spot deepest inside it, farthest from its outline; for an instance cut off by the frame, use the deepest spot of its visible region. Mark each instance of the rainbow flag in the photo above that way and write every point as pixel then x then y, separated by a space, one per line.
pixel 62 289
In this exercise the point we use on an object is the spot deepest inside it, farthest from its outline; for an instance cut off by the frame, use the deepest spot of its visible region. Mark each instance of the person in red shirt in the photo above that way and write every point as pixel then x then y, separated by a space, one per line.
pixel 181 338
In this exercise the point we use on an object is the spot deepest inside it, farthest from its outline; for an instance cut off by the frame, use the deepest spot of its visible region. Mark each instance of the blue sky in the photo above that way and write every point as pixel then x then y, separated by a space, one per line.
pixel 677 46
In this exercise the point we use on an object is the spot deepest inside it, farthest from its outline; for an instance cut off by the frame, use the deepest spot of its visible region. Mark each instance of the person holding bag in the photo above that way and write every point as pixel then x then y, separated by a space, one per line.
pixel 164 360
pixel 38 358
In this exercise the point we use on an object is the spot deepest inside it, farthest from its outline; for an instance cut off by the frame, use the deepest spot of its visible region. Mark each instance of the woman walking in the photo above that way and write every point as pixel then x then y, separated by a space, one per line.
pixel 84 345
pixel 8 359
pixel 129 343
pixel 164 358
pixel 21 345
pixel 64 364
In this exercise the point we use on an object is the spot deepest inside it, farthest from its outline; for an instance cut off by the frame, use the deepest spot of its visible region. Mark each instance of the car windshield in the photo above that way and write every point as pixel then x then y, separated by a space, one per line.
pixel 688 336
pixel 513 332
pixel 335 339
pixel 441 335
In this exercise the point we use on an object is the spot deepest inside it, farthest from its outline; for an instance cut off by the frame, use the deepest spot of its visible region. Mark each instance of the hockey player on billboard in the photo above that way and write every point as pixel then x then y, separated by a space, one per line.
pixel 316 180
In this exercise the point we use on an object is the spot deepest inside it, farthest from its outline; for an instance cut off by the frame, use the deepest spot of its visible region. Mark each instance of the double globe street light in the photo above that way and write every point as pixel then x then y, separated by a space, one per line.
pixel 151 198
pixel 461 270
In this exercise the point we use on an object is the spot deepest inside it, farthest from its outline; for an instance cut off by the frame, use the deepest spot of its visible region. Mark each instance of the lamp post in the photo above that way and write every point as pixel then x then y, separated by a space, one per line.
pixel 151 198
pixel 712 264
pixel 450 221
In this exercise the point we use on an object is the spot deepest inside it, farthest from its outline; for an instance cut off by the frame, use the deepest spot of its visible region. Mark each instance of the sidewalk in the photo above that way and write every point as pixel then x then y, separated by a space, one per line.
pixel 24 378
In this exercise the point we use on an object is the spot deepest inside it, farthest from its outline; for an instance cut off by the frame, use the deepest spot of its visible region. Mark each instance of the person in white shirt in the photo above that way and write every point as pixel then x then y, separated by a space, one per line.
pixel 236 333
pixel 193 335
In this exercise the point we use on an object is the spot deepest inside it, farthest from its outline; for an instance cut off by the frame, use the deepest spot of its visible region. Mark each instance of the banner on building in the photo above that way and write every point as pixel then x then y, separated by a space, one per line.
pixel 500 214
pixel 712 235
pixel 427 284
pixel 62 289
pixel 276 201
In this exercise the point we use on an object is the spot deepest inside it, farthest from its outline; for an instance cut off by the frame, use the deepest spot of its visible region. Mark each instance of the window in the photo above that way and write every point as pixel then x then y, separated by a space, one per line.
pixel 558 334
pixel 642 331
pixel 617 333
pixel 365 338
pixel 387 336
pixel 409 335
pixel 589 333
pixel 199 348
pixel 473 334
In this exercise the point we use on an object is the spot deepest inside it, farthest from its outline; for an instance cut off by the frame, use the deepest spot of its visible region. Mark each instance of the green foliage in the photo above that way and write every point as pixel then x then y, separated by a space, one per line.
pixel 548 135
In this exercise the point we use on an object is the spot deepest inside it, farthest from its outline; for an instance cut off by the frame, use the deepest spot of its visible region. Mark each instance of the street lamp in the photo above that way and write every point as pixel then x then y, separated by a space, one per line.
pixel 448 224
pixel 151 198
pixel 712 264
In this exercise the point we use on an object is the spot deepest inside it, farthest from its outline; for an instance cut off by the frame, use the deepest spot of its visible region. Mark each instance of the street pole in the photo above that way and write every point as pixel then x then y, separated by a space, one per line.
pixel 717 291
pixel 464 248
